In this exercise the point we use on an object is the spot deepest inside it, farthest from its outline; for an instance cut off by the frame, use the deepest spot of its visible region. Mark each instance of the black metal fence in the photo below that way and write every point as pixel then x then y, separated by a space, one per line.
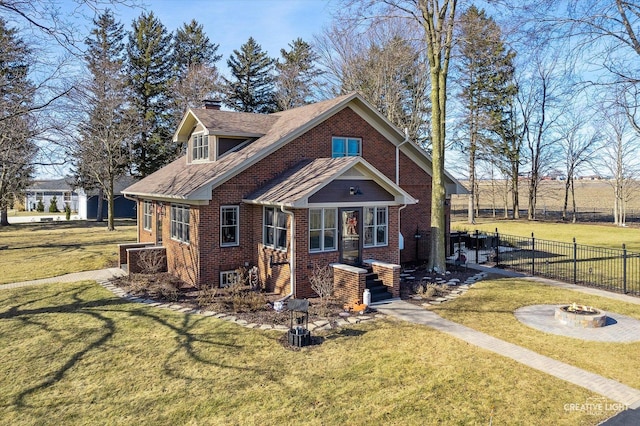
pixel 609 269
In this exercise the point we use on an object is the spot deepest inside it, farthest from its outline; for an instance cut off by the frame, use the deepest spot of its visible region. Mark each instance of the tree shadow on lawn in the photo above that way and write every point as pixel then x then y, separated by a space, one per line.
pixel 102 310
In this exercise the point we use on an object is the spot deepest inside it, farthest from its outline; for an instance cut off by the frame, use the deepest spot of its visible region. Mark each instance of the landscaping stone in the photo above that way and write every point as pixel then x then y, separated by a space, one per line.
pixel 242 322
pixel 280 327
pixel 266 327
pixel 342 322
pixel 208 313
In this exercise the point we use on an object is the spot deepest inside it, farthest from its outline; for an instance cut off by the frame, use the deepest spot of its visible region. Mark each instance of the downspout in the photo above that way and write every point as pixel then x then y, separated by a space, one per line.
pixel 406 139
pixel 292 255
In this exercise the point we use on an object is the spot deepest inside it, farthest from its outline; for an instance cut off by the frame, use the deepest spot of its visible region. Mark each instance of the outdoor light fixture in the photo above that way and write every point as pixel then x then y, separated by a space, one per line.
pixel 354 190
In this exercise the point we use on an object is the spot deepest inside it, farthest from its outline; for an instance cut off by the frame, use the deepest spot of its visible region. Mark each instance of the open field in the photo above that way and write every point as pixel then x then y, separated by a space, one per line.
pixel 48 250
pixel 592 196
pixel 75 354
pixel 490 305
pixel 600 235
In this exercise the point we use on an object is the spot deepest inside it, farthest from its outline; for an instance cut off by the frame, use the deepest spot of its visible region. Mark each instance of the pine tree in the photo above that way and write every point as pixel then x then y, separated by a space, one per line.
pixel 101 152
pixel 251 87
pixel 297 75
pixel 150 75
pixel 17 148
pixel 197 76
pixel 486 72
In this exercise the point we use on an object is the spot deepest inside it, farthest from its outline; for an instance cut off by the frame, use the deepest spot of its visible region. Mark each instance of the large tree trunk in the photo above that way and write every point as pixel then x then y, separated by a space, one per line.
pixel 99 217
pixel 110 207
pixel 4 221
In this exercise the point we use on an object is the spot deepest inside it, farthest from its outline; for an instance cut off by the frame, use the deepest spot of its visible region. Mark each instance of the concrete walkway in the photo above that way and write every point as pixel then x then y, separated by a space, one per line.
pixel 610 388
pixel 98 275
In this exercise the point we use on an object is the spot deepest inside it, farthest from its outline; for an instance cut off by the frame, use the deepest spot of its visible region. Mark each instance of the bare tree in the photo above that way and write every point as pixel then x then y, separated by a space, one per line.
pixel 619 157
pixel 436 18
pixel 578 144
pixel 383 61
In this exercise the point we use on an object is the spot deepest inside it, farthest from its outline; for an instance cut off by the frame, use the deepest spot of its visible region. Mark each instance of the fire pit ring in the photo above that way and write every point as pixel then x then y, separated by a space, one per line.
pixel 580 316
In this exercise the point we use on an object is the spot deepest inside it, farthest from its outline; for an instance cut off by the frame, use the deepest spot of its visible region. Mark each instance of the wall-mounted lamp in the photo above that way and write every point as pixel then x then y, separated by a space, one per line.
pixel 354 190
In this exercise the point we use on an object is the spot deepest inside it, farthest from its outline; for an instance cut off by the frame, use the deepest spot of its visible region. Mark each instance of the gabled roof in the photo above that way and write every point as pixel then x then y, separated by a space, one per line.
pixel 194 182
pixel 64 184
pixel 296 185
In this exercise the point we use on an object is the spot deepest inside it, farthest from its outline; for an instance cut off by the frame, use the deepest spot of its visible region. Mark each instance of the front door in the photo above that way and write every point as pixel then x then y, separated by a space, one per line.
pixel 350 228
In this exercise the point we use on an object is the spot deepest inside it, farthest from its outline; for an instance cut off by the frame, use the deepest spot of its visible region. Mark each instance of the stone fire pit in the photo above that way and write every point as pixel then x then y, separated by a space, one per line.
pixel 581 316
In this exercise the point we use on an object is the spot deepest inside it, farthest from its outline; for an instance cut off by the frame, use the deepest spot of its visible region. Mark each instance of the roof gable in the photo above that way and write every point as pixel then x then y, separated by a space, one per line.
pixel 296 186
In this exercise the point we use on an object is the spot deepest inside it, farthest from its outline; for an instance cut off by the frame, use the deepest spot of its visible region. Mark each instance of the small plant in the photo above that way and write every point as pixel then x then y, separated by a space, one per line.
pixel 53 206
pixel 243 276
pixel 40 206
pixel 322 283
pixel 67 211
pixel 207 295
pixel 151 261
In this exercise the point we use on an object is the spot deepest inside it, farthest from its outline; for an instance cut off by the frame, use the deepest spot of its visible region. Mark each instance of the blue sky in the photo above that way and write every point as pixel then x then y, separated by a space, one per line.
pixel 230 23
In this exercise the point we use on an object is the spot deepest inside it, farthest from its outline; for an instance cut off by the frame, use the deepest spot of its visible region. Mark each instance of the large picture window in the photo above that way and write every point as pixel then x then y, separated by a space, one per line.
pixel 180 222
pixel 147 215
pixel 229 226
pixel 200 149
pixel 346 147
pixel 275 228
pixel 323 229
pixel 375 226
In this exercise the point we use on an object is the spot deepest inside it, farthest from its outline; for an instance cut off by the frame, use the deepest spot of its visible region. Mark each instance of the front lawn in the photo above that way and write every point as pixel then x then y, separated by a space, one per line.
pixel 489 307
pixel 48 250
pixel 75 354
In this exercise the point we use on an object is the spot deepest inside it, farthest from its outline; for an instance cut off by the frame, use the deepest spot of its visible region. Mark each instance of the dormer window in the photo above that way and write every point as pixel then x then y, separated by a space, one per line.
pixel 200 147
pixel 346 147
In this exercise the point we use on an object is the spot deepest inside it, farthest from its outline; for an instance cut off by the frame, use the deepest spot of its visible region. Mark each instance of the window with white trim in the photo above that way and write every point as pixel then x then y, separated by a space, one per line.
pixel 346 147
pixel 180 222
pixel 376 226
pixel 228 278
pixel 200 147
pixel 147 215
pixel 275 228
pixel 229 226
pixel 323 229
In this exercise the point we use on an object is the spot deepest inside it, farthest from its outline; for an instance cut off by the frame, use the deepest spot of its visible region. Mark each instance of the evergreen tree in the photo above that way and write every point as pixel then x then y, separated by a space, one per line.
pixel 197 77
pixel 192 47
pixel 150 75
pixel 297 75
pixel 17 148
pixel 486 75
pixel 251 87
pixel 101 152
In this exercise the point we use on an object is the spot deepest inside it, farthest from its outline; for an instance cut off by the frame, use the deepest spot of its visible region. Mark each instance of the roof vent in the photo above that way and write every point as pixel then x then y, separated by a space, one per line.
pixel 212 104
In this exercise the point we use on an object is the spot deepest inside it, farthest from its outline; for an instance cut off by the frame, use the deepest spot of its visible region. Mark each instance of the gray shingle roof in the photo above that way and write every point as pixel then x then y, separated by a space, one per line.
pixel 180 180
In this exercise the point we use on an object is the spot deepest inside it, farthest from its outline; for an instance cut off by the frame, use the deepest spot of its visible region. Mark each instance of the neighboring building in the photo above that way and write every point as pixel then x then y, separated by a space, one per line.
pixel 328 183
pixel 45 190
pixel 84 203
pixel 123 207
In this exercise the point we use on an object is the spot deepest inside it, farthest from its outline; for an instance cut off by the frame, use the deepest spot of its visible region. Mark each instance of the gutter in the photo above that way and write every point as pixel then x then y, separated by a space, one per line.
pixel 406 139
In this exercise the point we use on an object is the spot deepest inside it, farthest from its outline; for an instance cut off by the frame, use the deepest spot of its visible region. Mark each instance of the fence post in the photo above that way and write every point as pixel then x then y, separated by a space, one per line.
pixel 477 245
pixel 497 248
pixel 575 261
pixel 533 255
pixel 624 268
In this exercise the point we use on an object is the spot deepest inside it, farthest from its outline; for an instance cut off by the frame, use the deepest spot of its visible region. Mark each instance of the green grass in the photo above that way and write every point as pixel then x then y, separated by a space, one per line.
pixel 594 235
pixel 75 354
pixel 48 250
pixel 489 307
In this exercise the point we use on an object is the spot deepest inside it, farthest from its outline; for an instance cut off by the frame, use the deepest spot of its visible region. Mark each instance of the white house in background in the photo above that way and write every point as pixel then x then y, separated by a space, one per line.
pixel 84 203
pixel 45 190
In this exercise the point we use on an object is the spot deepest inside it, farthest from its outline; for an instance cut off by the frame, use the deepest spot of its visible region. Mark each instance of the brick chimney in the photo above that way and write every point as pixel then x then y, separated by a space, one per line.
pixel 214 104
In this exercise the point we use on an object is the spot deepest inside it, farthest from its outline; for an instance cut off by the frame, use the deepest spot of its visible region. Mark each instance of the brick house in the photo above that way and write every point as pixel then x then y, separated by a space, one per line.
pixel 328 183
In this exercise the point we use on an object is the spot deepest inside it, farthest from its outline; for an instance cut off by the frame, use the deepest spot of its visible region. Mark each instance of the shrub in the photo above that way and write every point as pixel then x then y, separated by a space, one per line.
pixel 53 207
pixel 322 283
pixel 151 261
pixel 207 295
pixel 67 211
pixel 40 206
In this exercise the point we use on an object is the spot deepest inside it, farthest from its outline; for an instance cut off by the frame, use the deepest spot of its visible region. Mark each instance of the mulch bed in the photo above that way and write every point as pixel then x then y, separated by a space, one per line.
pixel 258 307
